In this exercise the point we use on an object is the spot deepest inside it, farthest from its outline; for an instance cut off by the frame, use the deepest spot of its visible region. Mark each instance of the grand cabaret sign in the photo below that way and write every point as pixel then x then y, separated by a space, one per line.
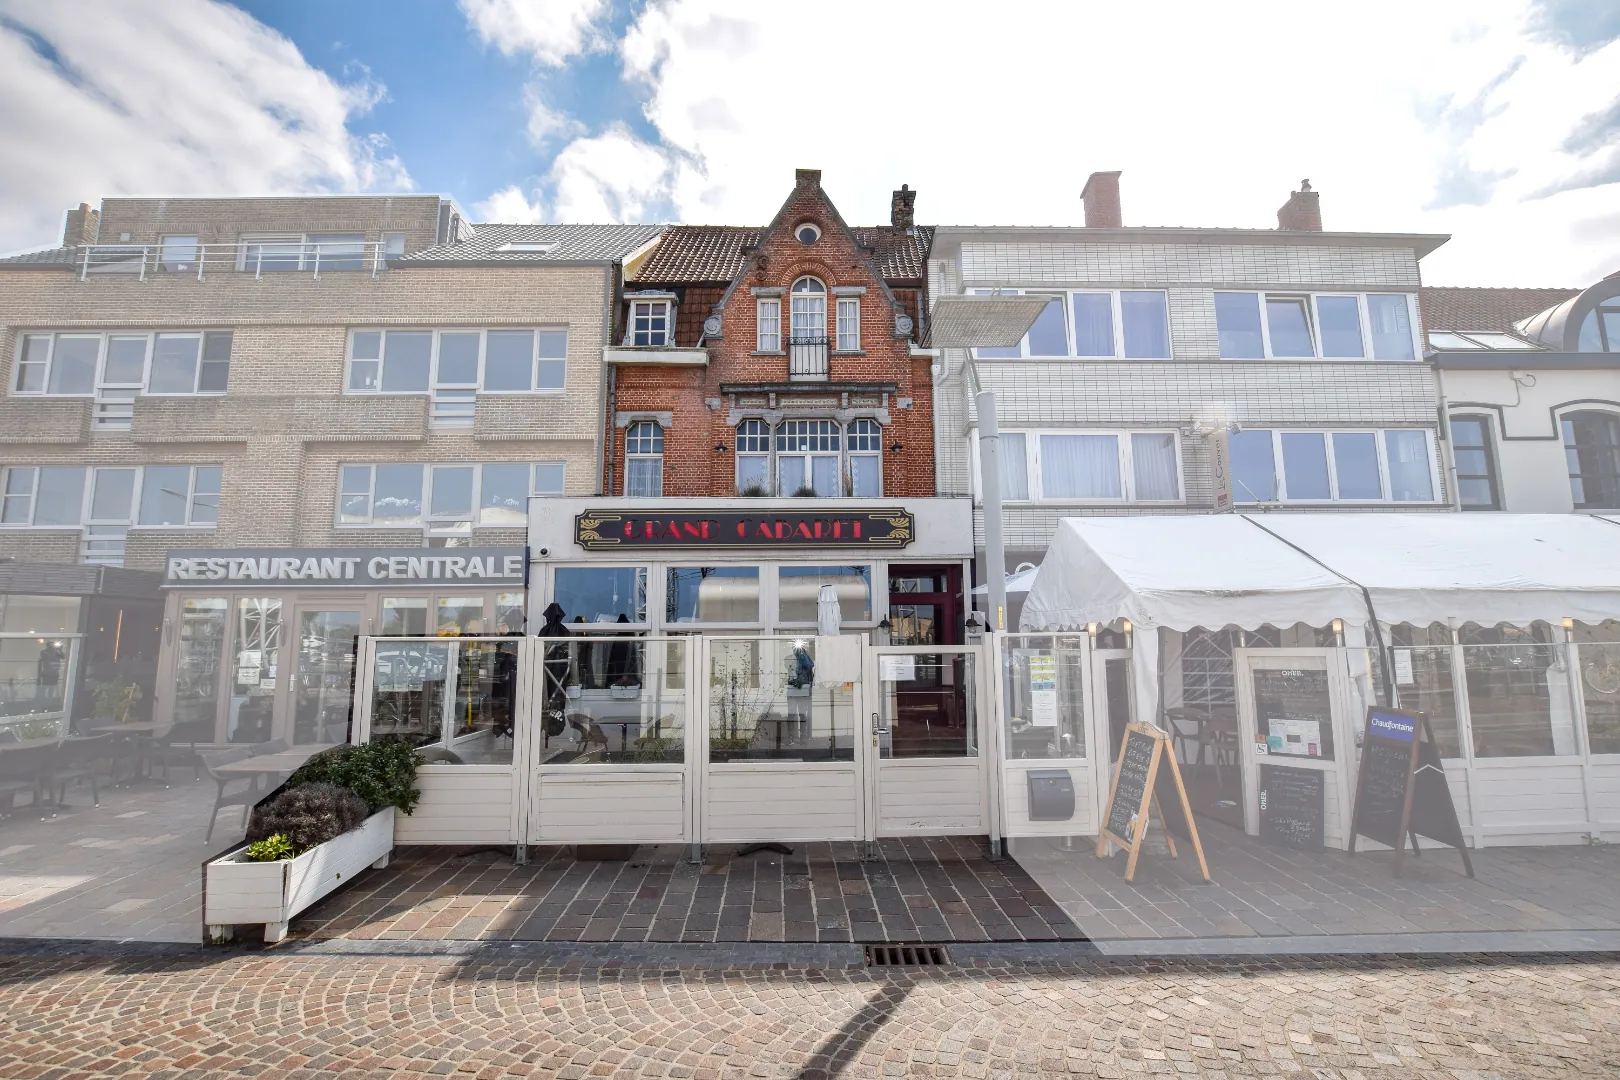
pixel 611 530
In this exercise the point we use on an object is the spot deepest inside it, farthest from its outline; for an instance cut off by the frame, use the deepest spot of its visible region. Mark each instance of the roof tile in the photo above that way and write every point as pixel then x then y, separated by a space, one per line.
pixel 575 243
pixel 1484 309
pixel 692 253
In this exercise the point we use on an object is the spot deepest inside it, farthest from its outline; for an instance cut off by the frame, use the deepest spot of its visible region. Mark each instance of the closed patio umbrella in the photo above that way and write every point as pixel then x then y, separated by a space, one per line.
pixel 828 614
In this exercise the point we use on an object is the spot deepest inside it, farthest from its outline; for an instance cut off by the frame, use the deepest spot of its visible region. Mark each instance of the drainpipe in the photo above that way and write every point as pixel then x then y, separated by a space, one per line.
pixel 1446 455
pixel 608 429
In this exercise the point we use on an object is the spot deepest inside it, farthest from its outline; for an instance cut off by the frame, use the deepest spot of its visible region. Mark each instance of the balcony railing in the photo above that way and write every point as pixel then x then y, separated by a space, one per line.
pixel 249 257
pixel 807 357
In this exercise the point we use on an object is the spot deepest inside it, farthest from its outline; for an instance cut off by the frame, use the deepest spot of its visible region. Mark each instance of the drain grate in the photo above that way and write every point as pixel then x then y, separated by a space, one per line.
pixel 906 956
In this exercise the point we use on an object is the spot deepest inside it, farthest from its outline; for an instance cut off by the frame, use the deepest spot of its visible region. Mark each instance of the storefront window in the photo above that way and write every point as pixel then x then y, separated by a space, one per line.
pixel 600 594
pixel 509 613
pixel 798 591
pixel 1422 671
pixel 765 703
pixel 324 682
pixel 407 692
pixel 404 616
pixel 1518 691
pixel 1045 699
pixel 35 675
pixel 712 594
pixel 1599 650
pixel 613 701
pixel 483 711
pixel 255 669
pixel 196 665
pixel 39 614
pixel 459 616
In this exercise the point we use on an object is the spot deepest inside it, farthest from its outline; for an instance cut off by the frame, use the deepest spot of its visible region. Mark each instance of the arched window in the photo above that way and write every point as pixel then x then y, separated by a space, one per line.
pixel 807 458
pixel 1600 330
pixel 644 461
pixel 809 310
pixel 753 458
pixel 1592 450
pixel 864 438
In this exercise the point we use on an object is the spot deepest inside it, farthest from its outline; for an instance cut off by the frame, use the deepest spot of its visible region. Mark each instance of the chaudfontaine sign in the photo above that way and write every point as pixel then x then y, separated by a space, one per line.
pixel 611 530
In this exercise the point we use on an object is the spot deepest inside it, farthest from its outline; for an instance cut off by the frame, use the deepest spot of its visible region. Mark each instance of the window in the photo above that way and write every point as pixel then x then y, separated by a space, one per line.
pixel 1332 466
pixel 644 461
pixel 1306 326
pixel 45 497
pixel 272 253
pixel 458 496
pixel 1440 339
pixel 753 458
pixel 807 233
pixel 769 334
pixel 393 245
pixel 807 453
pixel 865 446
pixel 798 591
pixel 601 594
pixel 177 254
pixel 808 306
pixel 1592 451
pixel 336 251
pixel 1476 339
pixel 177 495
pixel 649 323
pixel 1600 330
pixel 711 594
pixel 1476 465
pixel 849 325
pixel 457 364
pixel 77 364
pixel 57 497
pixel 1133 323
pixel 1090 466
pixel 529 247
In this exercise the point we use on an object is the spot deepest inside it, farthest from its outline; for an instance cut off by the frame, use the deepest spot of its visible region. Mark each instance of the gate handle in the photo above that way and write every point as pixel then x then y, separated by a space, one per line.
pixel 878 730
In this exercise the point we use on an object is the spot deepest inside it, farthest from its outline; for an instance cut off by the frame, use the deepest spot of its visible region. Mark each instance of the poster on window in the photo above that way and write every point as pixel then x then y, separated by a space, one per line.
pixel 1043 690
pixel 1403 668
pixel 1299 738
pixel 897 668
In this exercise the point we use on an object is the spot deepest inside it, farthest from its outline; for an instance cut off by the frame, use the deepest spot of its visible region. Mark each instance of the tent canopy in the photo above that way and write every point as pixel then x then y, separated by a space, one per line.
pixel 1212 571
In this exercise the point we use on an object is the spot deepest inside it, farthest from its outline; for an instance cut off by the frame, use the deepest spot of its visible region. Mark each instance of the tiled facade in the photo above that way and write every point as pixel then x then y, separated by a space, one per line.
pixel 286 420
pixel 1194 392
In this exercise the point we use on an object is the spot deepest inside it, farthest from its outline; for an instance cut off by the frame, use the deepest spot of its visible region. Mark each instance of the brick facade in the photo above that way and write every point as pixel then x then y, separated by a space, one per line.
pixel 700 406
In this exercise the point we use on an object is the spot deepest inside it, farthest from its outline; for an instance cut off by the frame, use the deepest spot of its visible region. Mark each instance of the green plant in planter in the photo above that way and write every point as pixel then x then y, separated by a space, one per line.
pixel 805 491
pixel 116 699
pixel 307 815
pixel 270 849
pixel 381 773
pixel 753 490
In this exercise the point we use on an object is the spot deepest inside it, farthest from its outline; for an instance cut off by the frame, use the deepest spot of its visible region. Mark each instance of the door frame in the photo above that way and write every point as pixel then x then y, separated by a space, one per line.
pixel 1245 661
pixel 285 722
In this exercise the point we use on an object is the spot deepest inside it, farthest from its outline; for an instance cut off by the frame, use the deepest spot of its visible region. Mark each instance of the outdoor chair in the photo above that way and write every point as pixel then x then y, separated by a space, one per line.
pixel 23 768
pixel 243 791
pixel 1212 735
pixel 76 761
pixel 178 746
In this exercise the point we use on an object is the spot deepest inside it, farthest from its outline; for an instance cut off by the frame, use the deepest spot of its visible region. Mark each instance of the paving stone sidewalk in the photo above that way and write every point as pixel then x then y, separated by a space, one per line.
pixel 275 1015
pixel 935 889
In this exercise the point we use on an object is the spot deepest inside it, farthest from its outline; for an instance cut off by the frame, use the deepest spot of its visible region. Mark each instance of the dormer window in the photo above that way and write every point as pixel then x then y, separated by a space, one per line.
pixel 651 323
pixel 808 233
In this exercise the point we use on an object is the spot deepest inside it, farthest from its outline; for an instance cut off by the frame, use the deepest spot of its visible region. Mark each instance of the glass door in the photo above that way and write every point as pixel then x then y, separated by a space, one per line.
pixel 928 769
pixel 323 675
pixel 256 669
pixel 1293 712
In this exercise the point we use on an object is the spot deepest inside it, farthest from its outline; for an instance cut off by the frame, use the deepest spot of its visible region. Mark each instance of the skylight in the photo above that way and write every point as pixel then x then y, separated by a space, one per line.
pixel 529 246
pixel 1476 339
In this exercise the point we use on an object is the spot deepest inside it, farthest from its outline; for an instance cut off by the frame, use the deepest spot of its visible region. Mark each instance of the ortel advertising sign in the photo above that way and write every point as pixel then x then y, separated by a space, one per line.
pixel 344 567
pixel 615 530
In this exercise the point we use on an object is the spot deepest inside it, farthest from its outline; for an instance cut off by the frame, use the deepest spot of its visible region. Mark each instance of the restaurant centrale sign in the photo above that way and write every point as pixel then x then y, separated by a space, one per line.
pixel 345 567
pixel 611 530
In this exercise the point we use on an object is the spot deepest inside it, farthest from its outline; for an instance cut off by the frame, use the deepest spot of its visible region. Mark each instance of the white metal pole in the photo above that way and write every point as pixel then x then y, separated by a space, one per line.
pixel 995 551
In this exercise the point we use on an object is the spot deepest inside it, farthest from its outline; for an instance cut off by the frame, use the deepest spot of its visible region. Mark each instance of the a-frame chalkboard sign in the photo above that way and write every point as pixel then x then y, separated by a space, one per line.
pixel 1125 821
pixel 1401 792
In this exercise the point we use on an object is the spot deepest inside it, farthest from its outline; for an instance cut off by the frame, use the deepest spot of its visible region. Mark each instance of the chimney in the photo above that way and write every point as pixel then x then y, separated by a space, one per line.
pixel 83 225
pixel 806 178
pixel 903 208
pixel 1101 196
pixel 1303 210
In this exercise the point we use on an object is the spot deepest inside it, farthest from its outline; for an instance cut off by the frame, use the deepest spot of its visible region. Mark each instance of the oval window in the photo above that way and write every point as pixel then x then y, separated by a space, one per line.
pixel 807 233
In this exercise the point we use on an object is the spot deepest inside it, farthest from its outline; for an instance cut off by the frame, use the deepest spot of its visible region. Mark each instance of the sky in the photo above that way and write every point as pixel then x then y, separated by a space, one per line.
pixel 1497 121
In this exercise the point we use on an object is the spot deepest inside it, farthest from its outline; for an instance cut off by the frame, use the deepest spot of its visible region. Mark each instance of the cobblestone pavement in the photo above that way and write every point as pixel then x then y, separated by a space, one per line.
pixel 934 889
pixel 274 1015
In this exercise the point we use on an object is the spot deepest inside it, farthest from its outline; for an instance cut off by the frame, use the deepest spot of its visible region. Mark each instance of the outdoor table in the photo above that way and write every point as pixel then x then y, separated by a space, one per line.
pixel 284 761
pixel 138 738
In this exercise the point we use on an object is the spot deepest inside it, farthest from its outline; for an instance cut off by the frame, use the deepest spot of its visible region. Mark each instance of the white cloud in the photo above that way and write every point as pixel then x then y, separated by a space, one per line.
pixel 510 206
pixel 611 177
pixel 167 97
pixel 545 123
pixel 1458 116
pixel 551 31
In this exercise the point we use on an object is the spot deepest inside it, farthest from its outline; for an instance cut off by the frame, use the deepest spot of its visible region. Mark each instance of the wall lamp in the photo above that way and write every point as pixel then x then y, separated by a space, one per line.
pixel 720 448
pixel 896 448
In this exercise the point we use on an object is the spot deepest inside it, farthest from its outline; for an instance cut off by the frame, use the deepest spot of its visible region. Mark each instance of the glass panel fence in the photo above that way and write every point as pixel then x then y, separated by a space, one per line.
pixel 35 676
pixel 1519 701
pixel 407 692
pixel 1598 651
pixel 1044 679
pixel 766 704
pixel 1423 679
pixel 613 701
pixel 927 704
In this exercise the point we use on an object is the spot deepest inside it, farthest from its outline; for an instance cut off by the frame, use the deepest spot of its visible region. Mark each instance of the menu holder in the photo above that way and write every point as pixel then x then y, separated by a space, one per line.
pixel 1135 773
pixel 1293 805
pixel 1401 789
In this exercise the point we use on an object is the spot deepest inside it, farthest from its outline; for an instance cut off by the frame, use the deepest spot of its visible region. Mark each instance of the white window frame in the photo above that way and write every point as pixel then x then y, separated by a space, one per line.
pixel 309 257
pixel 850 454
pixel 635 455
pixel 191 498
pixel 438 333
pixel 1127 466
pixel 778 455
pixel 1067 297
pixel 1327 434
pixel 847 324
pixel 772 456
pixel 632 316
pixel 426 520
pixel 132 519
pixel 103 348
pixel 818 295
pixel 765 455
pixel 1313 300
pixel 768 312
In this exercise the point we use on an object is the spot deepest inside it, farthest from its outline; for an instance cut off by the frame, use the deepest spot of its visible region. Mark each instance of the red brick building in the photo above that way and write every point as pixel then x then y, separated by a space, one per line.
pixel 776 360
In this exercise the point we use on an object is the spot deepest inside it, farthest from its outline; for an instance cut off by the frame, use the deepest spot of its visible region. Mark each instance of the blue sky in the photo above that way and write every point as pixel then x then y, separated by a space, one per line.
pixel 1496 121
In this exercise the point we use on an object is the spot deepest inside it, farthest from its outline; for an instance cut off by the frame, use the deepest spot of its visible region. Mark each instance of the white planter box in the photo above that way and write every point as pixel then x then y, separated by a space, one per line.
pixel 624 693
pixel 237 890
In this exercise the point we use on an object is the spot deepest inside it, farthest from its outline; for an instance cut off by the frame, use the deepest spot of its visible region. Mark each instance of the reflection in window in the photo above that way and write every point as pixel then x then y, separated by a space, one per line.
pixel 601 594
pixel 1289 320
pixel 1592 452
pixel 765 704
pixel 1511 672
pixel 459 616
pixel 404 616
pixel 407 694
pixel 1340 320
pixel 798 591
pixel 196 665
pixel 256 674
pixel 613 701
pixel 1423 678
pixel 1391 323
pixel 1237 324
pixel 1254 468
pixel 1045 702
pixel 712 594
pixel 1145 319
pixel 1476 464
pixel 1049 336
pixel 1599 650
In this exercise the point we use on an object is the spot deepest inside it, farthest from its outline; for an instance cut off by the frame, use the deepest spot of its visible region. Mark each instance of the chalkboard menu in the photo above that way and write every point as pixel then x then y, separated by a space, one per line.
pixel 1135 767
pixel 1294 707
pixel 1292 807
pixel 1401 792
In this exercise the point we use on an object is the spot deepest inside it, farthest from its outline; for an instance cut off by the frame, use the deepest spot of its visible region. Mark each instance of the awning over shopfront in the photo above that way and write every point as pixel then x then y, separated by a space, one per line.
pixel 1282 569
